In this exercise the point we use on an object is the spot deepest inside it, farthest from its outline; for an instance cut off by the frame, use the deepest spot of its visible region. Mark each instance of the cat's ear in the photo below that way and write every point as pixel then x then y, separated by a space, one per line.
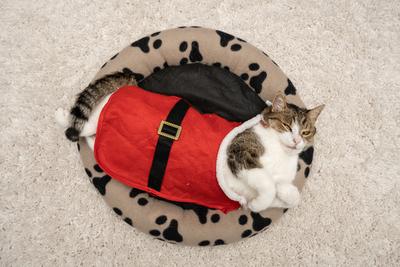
pixel 313 114
pixel 279 103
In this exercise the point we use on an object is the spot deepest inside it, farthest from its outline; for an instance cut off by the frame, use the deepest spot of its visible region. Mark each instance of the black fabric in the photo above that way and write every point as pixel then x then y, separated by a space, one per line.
pixel 164 144
pixel 209 89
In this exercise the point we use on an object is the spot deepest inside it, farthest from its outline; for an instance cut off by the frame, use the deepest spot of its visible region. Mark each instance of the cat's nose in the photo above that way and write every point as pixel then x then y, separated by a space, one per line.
pixel 297 139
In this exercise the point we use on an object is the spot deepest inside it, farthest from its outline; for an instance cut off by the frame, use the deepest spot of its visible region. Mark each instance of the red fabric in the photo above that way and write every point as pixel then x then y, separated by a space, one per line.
pixel 127 136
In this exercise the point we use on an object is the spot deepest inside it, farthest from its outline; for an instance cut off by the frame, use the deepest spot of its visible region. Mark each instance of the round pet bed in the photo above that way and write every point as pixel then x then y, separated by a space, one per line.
pixel 153 60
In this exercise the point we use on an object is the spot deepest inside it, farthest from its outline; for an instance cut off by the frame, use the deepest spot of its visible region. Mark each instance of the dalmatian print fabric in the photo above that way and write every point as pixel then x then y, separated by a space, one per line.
pixel 185 223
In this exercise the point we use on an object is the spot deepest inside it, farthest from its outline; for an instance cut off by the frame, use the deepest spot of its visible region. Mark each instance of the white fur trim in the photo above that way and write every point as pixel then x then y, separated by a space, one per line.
pixel 222 167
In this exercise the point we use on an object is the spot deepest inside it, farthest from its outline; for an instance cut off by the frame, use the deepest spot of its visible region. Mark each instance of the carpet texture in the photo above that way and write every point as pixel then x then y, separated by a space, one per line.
pixel 345 54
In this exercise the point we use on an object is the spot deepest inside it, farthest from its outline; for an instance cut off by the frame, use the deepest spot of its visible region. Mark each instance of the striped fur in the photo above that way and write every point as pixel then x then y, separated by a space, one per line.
pixel 90 97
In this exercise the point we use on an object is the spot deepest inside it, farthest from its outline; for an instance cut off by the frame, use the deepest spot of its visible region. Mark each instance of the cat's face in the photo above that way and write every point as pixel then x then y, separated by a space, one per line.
pixel 295 126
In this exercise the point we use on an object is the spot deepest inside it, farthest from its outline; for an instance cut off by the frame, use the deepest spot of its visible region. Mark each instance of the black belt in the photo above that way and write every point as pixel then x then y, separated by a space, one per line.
pixel 168 132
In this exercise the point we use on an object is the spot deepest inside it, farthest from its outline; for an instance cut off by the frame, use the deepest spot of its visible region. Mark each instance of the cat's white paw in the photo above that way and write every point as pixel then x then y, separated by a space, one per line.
pixel 243 201
pixel 289 194
pixel 256 206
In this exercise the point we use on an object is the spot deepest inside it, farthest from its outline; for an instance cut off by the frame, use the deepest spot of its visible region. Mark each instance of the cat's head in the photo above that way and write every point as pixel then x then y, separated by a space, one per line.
pixel 295 126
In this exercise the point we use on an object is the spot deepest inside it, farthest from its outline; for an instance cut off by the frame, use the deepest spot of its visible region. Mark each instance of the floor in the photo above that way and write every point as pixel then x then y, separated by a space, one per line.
pixel 345 54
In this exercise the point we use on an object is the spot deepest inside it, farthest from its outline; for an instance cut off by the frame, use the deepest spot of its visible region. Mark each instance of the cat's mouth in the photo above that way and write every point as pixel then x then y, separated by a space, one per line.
pixel 293 147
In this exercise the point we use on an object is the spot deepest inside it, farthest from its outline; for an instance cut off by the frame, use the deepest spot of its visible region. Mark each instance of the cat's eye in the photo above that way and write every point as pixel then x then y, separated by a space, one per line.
pixel 287 126
pixel 305 132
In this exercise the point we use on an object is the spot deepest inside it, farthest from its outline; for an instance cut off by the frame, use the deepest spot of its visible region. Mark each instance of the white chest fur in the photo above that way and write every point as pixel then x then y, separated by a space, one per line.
pixel 279 162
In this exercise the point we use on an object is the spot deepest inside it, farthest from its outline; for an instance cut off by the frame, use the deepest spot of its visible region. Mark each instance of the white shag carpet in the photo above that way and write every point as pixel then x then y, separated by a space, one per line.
pixel 345 54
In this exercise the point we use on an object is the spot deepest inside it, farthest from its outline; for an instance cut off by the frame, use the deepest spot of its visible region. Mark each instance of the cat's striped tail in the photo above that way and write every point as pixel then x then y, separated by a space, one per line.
pixel 90 97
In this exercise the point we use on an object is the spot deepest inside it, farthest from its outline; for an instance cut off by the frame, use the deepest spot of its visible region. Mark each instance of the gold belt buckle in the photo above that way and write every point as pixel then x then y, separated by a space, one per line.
pixel 172 125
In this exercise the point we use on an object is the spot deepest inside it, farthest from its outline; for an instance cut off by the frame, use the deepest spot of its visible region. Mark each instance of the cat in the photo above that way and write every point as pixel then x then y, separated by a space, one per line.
pixel 263 159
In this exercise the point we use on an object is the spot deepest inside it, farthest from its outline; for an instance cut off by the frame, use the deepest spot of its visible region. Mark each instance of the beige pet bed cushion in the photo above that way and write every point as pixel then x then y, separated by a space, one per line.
pixel 185 223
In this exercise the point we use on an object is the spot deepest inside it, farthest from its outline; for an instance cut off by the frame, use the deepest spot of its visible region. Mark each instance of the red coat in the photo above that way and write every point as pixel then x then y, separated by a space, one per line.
pixel 127 136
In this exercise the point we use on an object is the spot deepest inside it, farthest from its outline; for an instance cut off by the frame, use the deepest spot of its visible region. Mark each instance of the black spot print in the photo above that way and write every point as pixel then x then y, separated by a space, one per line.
pixel 117 211
pixel 103 65
pixel 285 210
pixel 307 172
pixel 155 233
pixel 182 27
pixel 143 44
pixel 307 155
pixel 165 65
pixel 78 146
pixel 183 46
pixel 256 81
pixel 137 76
pixel 244 76
pixel 240 39
pixel 142 201
pixel 157 44
pixel 225 38
pixel 246 233
pixel 195 27
pixel 217 64
pixel 200 211
pixel 161 219
pixel 219 242
pixel 236 47
pixel 88 172
pixel 259 222
pixel 195 55
pixel 254 234
pixel 134 192
pixel 215 218
pixel 100 183
pixel 204 243
pixel 97 168
pixel 298 167
pixel 128 221
pixel 254 66
pixel 290 89
pixel 183 61
pixel 171 233
pixel 114 56
pixel 156 69
pixel 155 34
pixel 242 219
pixel 227 68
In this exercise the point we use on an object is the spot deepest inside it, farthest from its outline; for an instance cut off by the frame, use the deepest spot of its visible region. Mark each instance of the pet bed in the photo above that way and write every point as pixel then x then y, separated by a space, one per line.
pixel 217 73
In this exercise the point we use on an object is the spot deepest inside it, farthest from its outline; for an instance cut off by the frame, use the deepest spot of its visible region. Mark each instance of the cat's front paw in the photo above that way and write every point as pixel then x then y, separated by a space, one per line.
pixel 289 194
pixel 243 201
pixel 256 206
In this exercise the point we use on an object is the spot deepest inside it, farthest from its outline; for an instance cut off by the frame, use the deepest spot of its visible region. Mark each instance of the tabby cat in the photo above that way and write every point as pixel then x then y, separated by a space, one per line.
pixel 263 159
